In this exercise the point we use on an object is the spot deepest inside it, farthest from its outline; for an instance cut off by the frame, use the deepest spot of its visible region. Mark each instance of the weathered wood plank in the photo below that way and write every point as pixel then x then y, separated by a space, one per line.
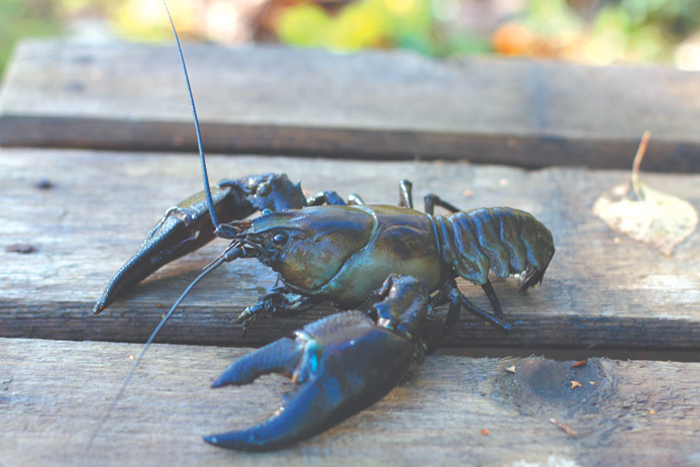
pixel 387 105
pixel 53 393
pixel 598 293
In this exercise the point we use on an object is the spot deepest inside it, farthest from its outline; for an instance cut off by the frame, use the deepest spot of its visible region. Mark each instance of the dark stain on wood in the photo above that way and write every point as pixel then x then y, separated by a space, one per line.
pixel 544 387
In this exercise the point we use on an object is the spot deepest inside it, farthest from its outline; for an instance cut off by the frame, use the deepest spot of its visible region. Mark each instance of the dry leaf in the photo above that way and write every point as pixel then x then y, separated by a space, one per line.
pixel 646 214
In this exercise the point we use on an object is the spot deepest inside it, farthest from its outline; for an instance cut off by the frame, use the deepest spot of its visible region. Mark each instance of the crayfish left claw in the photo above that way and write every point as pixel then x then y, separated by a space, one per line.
pixel 183 229
pixel 342 364
pixel 188 226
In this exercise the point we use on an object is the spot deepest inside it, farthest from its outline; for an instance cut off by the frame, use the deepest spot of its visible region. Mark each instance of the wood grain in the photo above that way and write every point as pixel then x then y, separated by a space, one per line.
pixel 53 393
pixel 374 105
pixel 600 291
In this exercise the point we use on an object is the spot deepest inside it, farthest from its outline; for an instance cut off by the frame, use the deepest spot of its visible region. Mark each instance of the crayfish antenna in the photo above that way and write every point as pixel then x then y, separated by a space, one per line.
pixel 205 176
pixel 232 252
pixel 224 257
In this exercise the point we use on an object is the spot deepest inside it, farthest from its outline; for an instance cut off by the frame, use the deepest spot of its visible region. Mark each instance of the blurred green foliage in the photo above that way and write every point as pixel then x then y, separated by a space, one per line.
pixel 406 24
pixel 368 23
pixel 25 18
pixel 622 30
pixel 644 30
pixel 617 30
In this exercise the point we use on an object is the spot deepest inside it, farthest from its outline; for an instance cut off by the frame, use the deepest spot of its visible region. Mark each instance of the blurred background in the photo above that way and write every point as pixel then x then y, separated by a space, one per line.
pixel 596 32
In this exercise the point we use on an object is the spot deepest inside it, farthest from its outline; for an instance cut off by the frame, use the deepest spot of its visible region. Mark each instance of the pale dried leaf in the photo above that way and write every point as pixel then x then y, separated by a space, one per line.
pixel 660 219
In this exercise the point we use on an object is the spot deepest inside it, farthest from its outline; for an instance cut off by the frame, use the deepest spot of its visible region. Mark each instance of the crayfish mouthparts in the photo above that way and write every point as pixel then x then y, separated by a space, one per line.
pixel 341 364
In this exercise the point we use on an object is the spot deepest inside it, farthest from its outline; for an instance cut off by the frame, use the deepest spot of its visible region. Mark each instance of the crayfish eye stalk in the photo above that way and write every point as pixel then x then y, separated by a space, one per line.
pixel 270 245
pixel 263 189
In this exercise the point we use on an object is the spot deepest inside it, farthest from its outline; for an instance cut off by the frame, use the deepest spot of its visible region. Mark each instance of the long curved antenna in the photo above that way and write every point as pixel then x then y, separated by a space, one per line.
pixel 225 256
pixel 207 269
pixel 205 177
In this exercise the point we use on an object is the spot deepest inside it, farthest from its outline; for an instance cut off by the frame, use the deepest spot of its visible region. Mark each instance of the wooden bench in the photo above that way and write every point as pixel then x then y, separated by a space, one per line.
pixel 97 143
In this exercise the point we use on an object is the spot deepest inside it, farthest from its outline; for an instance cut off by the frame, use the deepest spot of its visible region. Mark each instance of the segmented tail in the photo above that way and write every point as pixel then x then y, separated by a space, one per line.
pixel 505 240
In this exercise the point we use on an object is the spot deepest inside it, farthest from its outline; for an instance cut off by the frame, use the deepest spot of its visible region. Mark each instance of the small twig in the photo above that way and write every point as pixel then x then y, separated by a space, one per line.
pixel 636 186
pixel 564 427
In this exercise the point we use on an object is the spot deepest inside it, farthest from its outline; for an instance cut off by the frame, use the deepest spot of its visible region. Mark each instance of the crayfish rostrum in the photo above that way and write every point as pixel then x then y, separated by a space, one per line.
pixel 327 250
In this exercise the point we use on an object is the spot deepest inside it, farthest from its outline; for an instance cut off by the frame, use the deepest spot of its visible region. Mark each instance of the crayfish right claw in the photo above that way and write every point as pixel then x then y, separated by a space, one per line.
pixel 342 364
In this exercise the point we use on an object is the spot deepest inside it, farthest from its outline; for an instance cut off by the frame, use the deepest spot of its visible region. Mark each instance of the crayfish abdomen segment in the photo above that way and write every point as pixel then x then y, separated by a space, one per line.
pixel 505 240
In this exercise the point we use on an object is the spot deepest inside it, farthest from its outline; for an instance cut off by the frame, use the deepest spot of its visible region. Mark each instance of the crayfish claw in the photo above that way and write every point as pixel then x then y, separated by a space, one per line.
pixel 342 364
pixel 183 229
pixel 268 191
pixel 291 423
pixel 188 226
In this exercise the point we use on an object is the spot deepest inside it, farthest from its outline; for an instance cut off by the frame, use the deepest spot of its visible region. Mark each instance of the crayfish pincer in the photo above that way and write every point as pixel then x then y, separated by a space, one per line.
pixel 341 364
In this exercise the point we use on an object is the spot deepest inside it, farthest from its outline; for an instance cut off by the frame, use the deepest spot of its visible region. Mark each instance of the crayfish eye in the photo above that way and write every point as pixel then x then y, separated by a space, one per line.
pixel 279 239
pixel 263 189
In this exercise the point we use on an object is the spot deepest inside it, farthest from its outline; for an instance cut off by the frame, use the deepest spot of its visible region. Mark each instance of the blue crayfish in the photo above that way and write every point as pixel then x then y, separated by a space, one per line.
pixel 393 262
pixel 328 251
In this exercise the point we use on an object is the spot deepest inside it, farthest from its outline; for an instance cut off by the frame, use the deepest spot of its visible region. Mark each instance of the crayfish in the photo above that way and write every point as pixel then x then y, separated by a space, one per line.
pixel 392 262
pixel 343 254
